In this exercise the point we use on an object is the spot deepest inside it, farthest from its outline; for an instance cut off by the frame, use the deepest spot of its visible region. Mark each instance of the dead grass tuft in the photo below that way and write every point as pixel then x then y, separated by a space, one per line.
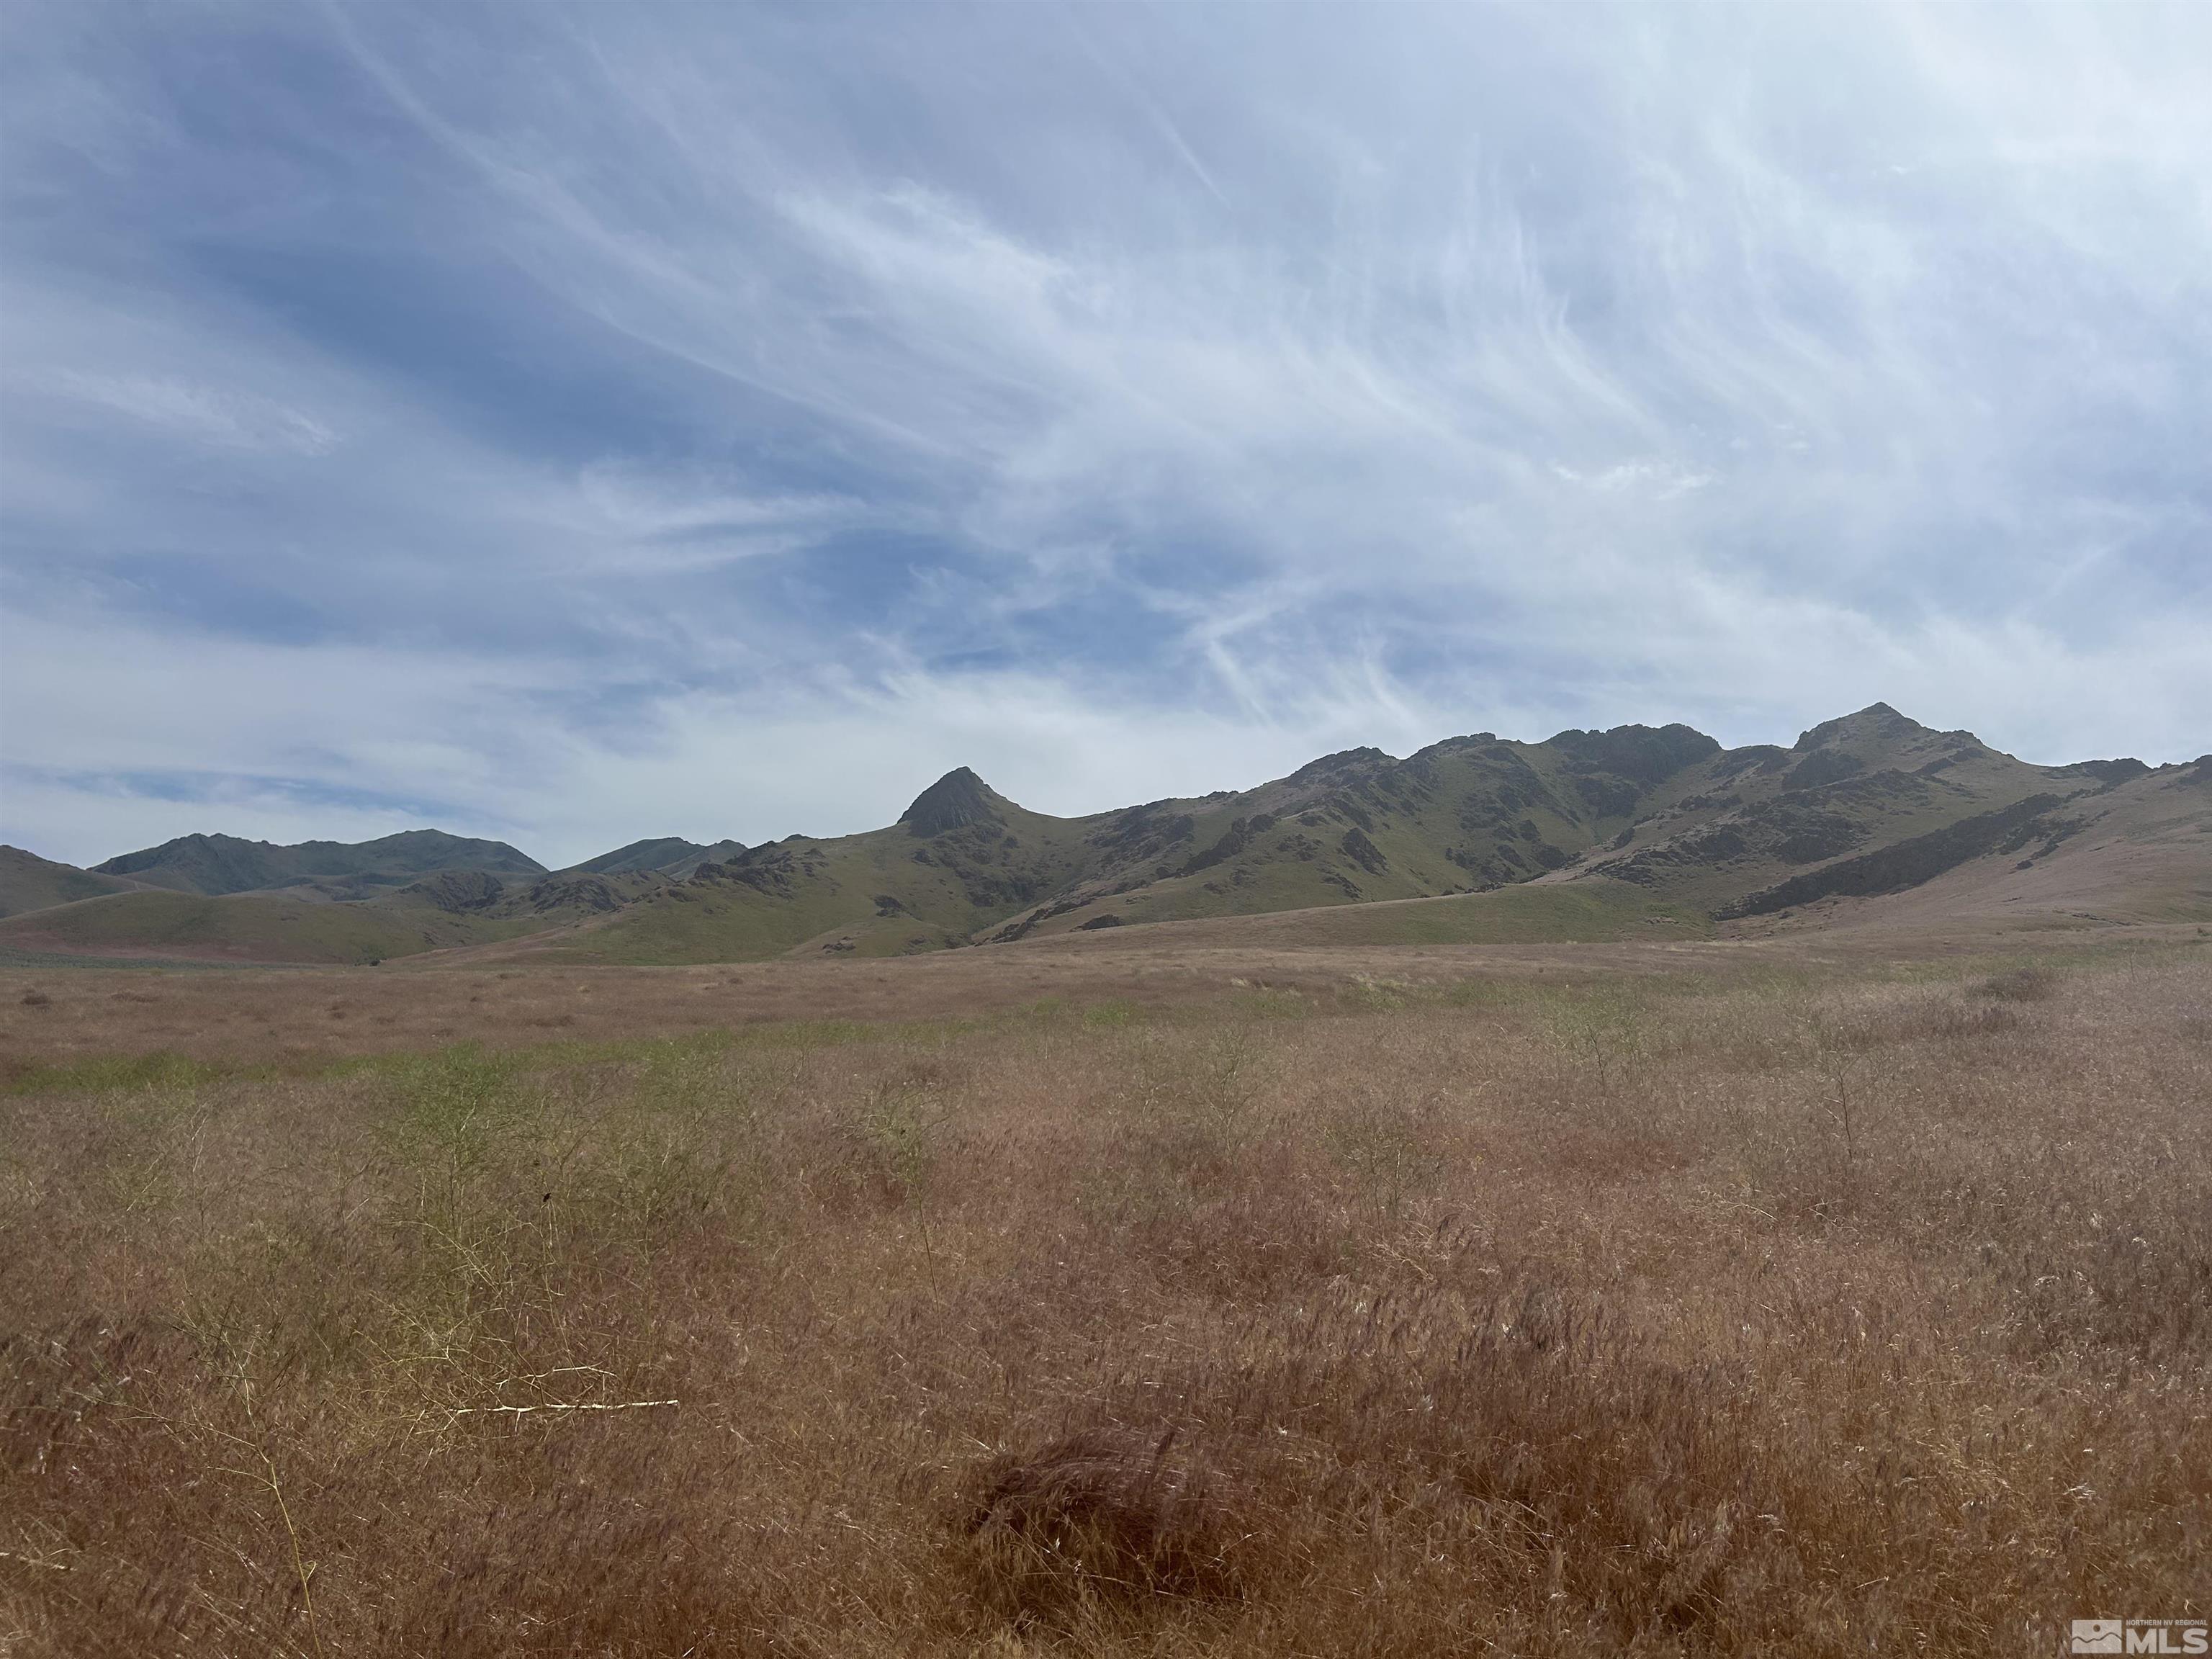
pixel 2030 984
pixel 1102 1517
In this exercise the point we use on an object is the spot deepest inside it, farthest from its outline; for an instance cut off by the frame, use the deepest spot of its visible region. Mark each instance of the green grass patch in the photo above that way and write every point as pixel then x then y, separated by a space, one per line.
pixel 109 1074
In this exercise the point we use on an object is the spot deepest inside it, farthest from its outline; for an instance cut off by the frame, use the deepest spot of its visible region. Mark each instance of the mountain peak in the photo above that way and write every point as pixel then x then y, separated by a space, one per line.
pixel 956 798
pixel 1343 760
pixel 1876 719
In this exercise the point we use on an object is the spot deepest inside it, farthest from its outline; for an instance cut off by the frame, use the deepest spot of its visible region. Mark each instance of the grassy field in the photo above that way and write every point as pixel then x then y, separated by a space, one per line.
pixel 1714 1303
pixel 1582 913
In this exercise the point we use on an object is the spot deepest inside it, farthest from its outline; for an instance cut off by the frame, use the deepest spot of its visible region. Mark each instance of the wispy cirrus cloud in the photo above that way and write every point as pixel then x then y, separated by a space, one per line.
pixel 198 413
pixel 711 414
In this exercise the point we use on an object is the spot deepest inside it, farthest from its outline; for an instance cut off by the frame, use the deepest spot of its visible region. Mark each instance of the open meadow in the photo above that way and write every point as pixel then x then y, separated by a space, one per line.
pixel 1696 1298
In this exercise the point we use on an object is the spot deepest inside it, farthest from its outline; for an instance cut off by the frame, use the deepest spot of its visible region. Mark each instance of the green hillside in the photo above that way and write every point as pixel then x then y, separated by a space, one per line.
pixel 28 882
pixel 961 859
pixel 668 855
pixel 2136 848
pixel 449 909
pixel 1752 819
pixel 1613 831
pixel 216 864
pixel 1664 811
pixel 247 928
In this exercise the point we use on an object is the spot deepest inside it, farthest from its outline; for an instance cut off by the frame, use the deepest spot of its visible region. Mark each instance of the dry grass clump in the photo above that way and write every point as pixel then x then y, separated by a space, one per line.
pixel 2032 983
pixel 1098 1522
pixel 1776 1314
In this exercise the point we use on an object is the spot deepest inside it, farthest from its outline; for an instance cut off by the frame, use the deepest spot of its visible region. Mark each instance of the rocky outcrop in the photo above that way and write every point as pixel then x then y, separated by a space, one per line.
pixel 954 801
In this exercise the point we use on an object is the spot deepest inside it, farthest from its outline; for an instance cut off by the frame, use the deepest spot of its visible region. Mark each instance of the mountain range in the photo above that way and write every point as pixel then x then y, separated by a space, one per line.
pixel 1586 833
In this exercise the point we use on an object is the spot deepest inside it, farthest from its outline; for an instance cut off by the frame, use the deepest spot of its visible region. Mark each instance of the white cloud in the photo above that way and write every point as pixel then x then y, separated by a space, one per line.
pixel 1123 407
pixel 204 414
pixel 249 735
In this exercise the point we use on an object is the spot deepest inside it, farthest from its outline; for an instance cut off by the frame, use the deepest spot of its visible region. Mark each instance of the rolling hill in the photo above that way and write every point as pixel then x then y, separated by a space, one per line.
pixel 1611 831
pixel 1750 820
pixel 28 882
pixel 965 865
pixel 1665 811
pixel 216 864
pixel 2137 851
pixel 668 855
pixel 448 908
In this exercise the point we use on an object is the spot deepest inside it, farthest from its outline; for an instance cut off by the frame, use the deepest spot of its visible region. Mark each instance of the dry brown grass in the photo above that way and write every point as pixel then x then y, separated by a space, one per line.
pixel 1760 1313
pixel 65 1010
pixel 61 1009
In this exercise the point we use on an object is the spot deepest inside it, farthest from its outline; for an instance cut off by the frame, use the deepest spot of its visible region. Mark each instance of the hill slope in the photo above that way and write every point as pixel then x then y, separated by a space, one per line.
pixel 245 927
pixel 448 908
pixel 1747 819
pixel 216 864
pixel 668 855
pixel 28 882
pixel 2138 851
pixel 1664 810
pixel 1632 827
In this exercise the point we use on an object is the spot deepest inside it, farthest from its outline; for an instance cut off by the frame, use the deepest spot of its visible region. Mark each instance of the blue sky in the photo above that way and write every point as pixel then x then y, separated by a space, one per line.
pixel 574 425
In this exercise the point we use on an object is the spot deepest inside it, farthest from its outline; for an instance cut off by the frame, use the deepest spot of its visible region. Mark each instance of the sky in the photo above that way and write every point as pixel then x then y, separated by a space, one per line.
pixel 572 425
